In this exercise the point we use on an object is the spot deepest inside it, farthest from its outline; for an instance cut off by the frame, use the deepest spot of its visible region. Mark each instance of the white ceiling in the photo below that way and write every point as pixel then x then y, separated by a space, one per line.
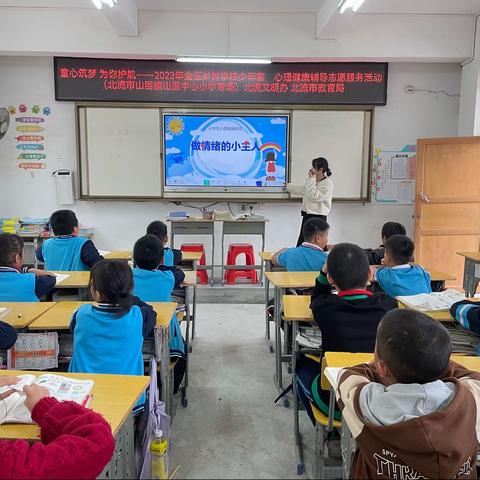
pixel 442 7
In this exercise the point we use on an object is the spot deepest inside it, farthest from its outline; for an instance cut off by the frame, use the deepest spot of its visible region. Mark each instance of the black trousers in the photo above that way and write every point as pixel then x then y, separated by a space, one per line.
pixel 305 217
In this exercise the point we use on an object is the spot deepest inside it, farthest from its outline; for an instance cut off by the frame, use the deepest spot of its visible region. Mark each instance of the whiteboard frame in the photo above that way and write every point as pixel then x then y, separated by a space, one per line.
pixel 82 160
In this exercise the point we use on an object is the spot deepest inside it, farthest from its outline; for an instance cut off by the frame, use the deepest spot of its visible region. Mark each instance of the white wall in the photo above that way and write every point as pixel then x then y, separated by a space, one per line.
pixel 70 31
pixel 117 224
pixel 469 117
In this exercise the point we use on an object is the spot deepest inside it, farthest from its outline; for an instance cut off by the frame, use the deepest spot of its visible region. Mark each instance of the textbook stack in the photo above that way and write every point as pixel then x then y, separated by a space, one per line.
pixel 32 226
pixel 9 225
pixel 464 341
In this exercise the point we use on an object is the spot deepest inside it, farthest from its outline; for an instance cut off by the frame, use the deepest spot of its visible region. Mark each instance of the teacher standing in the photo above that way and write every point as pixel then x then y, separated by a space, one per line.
pixel 317 193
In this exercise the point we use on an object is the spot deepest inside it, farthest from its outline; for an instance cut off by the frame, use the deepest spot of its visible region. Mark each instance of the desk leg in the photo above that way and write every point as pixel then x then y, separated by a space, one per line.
pixel 296 427
pixel 162 352
pixel 222 272
pixel 187 349
pixel 122 464
pixel 267 300
pixel 279 292
pixel 194 305
pixel 348 449
pixel 470 277
pixel 331 410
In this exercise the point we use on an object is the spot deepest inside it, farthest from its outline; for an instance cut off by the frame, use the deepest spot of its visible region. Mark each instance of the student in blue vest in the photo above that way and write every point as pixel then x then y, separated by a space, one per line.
pixel 67 251
pixel 19 283
pixel 154 285
pixel 398 277
pixel 8 336
pixel 108 336
pixel 171 257
pixel 310 255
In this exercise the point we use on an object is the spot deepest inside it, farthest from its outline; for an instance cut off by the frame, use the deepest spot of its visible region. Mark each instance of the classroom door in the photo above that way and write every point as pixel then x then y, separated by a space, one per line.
pixel 447 206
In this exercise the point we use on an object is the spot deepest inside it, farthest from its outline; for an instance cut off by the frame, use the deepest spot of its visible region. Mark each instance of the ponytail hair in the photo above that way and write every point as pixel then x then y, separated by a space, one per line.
pixel 321 163
pixel 113 280
pixel 10 245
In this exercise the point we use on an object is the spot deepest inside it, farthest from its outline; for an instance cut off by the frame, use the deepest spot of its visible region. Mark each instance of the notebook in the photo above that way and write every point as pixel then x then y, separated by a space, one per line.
pixel 62 388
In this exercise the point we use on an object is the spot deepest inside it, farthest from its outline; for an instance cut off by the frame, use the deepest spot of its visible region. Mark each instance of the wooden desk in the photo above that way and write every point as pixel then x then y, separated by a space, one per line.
pixel 119 255
pixel 297 308
pixel 22 314
pixel 345 360
pixel 59 315
pixel 74 280
pixel 191 256
pixel 292 279
pixel 471 272
pixel 114 396
pixel 58 318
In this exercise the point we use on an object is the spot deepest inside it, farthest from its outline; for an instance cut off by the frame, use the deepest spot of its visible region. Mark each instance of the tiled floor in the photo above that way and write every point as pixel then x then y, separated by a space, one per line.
pixel 231 428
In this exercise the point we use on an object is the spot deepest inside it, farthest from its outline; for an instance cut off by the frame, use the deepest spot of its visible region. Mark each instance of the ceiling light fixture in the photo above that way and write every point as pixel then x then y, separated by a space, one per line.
pixel 100 3
pixel 353 4
pixel 223 60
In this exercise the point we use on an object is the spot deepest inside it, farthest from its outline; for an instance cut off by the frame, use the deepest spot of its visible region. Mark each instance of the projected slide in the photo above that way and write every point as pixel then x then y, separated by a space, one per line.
pixel 225 151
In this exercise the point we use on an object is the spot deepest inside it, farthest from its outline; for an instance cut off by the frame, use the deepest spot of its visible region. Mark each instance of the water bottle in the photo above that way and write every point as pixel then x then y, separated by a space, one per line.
pixel 159 455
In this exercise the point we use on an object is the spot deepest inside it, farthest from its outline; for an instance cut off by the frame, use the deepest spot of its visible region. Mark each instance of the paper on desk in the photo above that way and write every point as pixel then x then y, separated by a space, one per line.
pixel 4 311
pixel 437 301
pixel 61 277
pixel 332 375
pixel 104 252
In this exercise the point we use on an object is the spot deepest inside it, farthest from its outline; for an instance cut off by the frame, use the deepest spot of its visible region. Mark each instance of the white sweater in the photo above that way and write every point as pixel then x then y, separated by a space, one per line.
pixel 317 196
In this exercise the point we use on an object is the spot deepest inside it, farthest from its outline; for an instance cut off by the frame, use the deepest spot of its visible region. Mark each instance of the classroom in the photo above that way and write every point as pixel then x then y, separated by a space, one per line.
pixel 239 239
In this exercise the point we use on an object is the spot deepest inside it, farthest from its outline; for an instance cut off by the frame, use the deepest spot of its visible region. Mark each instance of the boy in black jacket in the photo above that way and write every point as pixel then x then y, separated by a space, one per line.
pixel 375 256
pixel 348 321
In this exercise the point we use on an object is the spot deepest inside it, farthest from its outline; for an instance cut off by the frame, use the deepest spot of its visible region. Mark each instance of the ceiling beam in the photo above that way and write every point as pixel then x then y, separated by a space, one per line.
pixel 325 15
pixel 123 18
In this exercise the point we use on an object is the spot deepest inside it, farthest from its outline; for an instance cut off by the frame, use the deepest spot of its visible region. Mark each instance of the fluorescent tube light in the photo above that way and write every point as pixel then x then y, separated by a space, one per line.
pixel 223 60
pixel 353 4
pixel 99 3
pixel 357 5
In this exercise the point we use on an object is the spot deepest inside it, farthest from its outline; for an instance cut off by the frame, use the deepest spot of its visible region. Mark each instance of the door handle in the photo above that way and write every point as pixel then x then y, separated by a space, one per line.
pixel 424 198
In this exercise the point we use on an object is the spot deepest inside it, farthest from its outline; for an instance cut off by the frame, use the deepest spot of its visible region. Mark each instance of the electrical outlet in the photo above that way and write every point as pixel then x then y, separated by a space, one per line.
pixel 243 207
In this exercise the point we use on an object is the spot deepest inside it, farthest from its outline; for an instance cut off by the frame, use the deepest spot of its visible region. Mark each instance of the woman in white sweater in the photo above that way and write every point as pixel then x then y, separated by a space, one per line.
pixel 317 193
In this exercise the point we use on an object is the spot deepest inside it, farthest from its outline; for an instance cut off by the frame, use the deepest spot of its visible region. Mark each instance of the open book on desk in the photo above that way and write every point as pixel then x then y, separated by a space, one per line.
pixel 61 388
pixel 432 302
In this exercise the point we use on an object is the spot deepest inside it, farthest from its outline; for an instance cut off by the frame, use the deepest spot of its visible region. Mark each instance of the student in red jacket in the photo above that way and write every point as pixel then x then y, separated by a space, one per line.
pixel 75 442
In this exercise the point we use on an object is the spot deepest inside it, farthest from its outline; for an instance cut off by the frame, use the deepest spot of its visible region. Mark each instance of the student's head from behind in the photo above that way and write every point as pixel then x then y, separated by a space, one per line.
pixel 320 167
pixel 11 250
pixel 392 228
pixel 348 267
pixel 398 250
pixel 315 230
pixel 111 281
pixel 148 252
pixel 411 347
pixel 64 222
pixel 159 229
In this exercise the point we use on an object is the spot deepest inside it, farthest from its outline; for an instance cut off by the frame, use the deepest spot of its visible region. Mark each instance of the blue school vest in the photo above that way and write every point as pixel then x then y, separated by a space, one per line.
pixel 302 259
pixel 17 287
pixel 157 286
pixel 106 343
pixel 153 285
pixel 168 257
pixel 404 281
pixel 64 253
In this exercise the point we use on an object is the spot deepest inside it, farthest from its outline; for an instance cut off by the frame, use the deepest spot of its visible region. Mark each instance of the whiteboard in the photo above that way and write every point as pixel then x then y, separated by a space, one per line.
pixel 122 152
pixel 343 138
